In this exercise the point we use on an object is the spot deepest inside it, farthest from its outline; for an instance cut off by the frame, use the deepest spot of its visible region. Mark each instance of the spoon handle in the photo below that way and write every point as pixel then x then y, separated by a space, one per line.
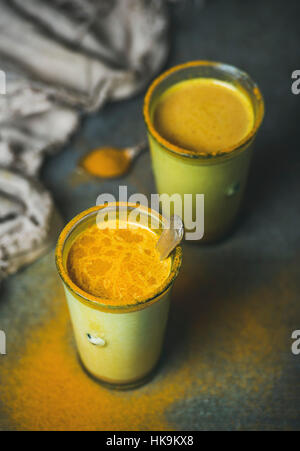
pixel 170 237
pixel 135 151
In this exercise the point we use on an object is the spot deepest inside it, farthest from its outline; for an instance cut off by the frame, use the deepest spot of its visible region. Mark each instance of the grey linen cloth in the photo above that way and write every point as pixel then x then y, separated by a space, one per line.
pixel 61 58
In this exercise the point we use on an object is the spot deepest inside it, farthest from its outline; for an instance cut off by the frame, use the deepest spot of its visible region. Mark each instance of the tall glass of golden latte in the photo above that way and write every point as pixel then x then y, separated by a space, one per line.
pixel 202 118
pixel 117 289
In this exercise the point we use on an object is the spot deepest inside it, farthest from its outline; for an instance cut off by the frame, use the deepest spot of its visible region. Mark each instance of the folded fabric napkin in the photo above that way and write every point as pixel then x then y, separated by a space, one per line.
pixel 61 58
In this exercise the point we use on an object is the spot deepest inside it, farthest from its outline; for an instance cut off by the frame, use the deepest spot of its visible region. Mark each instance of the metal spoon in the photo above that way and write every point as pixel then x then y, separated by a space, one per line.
pixel 135 151
pixel 127 156
pixel 123 159
pixel 170 237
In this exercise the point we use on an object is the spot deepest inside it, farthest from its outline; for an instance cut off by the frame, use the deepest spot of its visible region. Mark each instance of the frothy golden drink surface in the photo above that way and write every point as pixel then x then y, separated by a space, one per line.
pixel 204 115
pixel 118 265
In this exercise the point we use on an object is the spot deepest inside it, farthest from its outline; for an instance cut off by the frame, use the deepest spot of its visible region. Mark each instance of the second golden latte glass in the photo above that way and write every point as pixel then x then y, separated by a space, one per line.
pixel 221 176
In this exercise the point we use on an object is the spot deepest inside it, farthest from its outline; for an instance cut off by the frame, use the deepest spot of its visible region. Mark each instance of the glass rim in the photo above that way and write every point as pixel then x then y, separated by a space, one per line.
pixel 95 301
pixel 225 153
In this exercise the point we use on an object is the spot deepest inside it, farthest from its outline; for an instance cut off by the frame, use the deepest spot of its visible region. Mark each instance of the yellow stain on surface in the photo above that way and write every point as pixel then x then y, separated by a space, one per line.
pixel 236 351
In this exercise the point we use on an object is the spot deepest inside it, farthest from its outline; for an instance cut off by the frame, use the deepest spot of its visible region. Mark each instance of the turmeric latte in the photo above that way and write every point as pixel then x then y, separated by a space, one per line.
pixel 120 265
pixel 204 115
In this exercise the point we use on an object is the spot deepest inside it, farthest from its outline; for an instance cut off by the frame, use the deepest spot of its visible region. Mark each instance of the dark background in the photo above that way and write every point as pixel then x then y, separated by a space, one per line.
pixel 260 37
pixel 236 303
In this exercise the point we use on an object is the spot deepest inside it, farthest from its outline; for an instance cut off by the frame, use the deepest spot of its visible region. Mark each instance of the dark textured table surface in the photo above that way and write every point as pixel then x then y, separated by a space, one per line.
pixel 228 361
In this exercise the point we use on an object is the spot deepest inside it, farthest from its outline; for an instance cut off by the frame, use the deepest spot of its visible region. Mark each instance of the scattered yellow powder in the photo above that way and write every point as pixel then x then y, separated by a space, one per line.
pixel 106 162
pixel 47 389
pixel 228 351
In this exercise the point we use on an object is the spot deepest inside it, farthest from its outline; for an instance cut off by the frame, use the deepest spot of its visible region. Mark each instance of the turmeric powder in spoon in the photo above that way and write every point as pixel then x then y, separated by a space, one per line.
pixel 109 162
pixel 106 162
